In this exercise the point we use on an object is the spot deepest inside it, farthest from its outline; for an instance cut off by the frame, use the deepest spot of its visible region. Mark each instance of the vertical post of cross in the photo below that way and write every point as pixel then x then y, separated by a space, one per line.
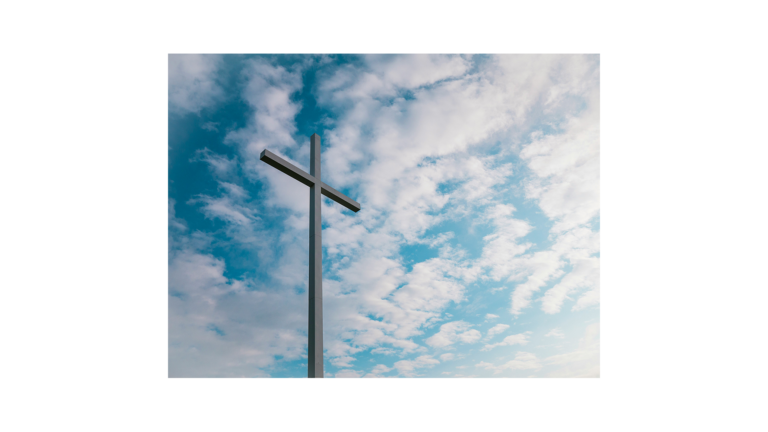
pixel 316 188
pixel 315 361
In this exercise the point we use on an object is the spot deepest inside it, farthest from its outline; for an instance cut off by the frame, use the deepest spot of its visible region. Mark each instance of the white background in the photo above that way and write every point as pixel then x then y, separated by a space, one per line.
pixel 83 186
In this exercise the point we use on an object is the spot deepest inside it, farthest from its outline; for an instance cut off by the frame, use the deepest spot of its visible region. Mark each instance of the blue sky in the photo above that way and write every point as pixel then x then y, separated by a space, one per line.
pixel 477 249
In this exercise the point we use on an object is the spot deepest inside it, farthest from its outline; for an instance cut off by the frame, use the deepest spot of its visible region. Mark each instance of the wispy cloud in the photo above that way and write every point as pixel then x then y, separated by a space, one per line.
pixel 555 333
pixel 269 93
pixel 453 332
pixel 221 166
pixel 585 274
pixel 522 361
pixel 408 367
pixel 517 339
pixel 584 361
pixel 192 82
pixel 497 329
pixel 253 326
pixel 378 371
pixel 348 373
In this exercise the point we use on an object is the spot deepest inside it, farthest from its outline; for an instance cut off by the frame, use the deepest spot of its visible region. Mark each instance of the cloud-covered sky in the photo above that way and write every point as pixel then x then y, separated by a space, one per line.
pixel 477 249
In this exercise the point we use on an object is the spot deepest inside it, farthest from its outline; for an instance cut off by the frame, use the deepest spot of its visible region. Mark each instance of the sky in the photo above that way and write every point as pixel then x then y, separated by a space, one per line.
pixel 477 249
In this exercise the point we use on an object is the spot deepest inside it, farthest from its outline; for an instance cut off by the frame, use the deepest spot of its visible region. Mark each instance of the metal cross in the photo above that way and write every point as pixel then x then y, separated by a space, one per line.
pixel 316 187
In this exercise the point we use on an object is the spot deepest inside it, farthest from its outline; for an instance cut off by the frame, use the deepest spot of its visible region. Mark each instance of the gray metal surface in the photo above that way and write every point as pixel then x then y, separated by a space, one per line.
pixel 340 198
pixel 286 167
pixel 316 188
pixel 315 348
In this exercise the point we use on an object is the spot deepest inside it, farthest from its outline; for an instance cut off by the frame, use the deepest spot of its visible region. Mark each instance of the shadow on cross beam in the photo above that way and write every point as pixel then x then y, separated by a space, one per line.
pixel 297 173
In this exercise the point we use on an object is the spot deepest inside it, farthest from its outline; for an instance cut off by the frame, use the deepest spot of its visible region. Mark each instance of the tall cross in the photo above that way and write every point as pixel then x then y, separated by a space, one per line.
pixel 316 187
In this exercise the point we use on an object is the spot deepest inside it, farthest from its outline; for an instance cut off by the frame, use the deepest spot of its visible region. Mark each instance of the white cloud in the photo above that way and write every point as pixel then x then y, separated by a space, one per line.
pixel 590 298
pixel 585 274
pixel 447 356
pixel 490 316
pixel 219 328
pixel 347 373
pixel 408 367
pixel 231 205
pixel 517 339
pixel 555 333
pixel 378 371
pixel 522 361
pixel 452 332
pixel 272 125
pixel 380 368
pixel 565 177
pixel 497 329
pixel 539 268
pixel 567 170
pixel 210 126
pixel 543 266
pixel 221 166
pixel 174 223
pixel 224 208
pixel 502 246
pixel 268 91
pixel 192 83
pixel 470 336
pixel 428 288
pixel 440 121
pixel 583 362
pixel 416 70
pixel 344 361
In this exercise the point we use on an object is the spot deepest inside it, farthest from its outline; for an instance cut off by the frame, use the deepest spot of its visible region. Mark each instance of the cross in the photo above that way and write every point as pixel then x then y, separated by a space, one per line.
pixel 316 187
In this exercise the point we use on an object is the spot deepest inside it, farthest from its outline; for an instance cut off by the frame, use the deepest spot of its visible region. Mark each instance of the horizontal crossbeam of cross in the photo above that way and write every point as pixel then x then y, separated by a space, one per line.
pixel 297 173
